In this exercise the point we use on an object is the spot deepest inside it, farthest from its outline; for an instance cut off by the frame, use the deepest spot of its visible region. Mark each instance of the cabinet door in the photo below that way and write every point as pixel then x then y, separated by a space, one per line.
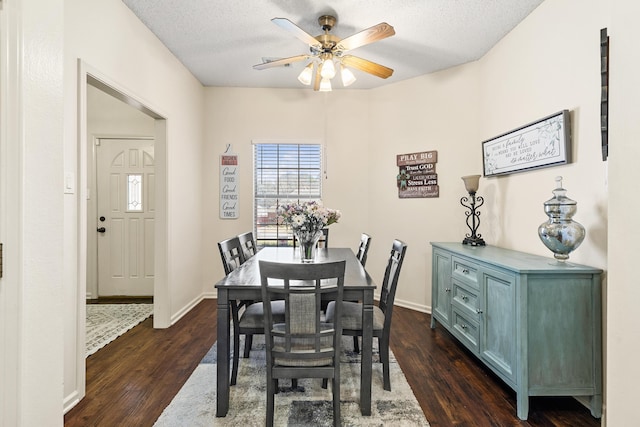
pixel 498 323
pixel 441 287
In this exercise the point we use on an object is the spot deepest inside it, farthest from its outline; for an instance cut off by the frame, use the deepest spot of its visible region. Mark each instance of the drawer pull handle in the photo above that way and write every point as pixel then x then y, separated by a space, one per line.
pixel 463 326
pixel 465 298
pixel 478 311
pixel 447 290
pixel 465 271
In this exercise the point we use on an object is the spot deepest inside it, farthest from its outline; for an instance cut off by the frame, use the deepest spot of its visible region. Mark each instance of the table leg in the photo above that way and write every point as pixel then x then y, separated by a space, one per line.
pixel 222 391
pixel 367 350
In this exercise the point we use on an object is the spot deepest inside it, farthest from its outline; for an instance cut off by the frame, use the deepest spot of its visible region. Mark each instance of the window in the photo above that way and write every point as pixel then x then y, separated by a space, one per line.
pixel 134 193
pixel 283 173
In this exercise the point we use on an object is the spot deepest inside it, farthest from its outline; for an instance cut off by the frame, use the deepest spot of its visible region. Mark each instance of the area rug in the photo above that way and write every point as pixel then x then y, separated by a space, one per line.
pixel 307 405
pixel 106 322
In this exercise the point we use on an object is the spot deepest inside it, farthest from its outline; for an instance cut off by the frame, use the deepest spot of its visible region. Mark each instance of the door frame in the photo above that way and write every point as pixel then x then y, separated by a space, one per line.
pixel 88 75
pixel 92 213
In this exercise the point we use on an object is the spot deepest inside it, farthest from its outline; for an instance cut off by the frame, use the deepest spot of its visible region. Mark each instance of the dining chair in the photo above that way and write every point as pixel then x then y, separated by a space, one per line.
pixel 352 311
pixel 304 345
pixel 322 243
pixel 231 253
pixel 232 257
pixel 248 244
pixel 247 317
pixel 363 249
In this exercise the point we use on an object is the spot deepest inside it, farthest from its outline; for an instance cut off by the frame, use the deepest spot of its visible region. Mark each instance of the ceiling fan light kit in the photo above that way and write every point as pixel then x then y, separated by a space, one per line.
pixel 327 49
pixel 347 76
pixel 306 75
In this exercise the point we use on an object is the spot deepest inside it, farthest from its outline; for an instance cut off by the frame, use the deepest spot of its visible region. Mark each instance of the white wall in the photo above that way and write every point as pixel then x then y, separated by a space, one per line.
pixel 623 344
pixel 112 42
pixel 31 291
pixel 238 116
pixel 436 112
pixel 547 64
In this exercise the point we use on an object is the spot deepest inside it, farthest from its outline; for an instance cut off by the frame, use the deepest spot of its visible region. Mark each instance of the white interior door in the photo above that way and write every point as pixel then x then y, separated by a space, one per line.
pixel 125 210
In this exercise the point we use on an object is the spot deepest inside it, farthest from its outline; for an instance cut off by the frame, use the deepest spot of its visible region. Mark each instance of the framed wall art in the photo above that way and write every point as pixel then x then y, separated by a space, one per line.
pixel 543 143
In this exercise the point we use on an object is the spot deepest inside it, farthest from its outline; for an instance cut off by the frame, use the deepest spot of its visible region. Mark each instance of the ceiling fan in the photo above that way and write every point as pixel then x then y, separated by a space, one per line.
pixel 327 50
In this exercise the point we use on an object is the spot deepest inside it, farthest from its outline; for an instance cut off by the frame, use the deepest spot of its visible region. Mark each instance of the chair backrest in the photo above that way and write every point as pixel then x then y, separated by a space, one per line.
pixel 322 243
pixel 248 244
pixel 304 339
pixel 231 254
pixel 390 281
pixel 363 249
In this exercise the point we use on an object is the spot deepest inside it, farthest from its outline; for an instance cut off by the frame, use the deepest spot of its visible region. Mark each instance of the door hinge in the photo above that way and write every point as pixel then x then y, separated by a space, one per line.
pixel 1 260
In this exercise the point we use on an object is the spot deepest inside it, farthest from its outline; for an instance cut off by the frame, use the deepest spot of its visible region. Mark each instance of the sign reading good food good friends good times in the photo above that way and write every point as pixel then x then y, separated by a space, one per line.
pixel 229 184
pixel 417 175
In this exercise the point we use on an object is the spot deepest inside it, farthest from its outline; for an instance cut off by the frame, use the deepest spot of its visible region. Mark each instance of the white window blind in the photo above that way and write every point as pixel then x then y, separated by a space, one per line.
pixel 283 173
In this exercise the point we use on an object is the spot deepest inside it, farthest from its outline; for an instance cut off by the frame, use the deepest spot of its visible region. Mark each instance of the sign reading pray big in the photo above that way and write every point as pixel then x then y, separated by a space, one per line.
pixel 417 175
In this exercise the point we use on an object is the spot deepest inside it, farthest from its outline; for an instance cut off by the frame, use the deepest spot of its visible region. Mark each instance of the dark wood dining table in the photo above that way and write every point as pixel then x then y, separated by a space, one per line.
pixel 244 284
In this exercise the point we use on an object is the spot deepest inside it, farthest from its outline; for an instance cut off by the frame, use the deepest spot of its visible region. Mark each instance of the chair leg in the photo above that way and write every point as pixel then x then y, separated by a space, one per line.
pixel 236 356
pixel 272 386
pixel 325 383
pixel 383 344
pixel 336 398
pixel 294 383
pixel 356 344
pixel 248 342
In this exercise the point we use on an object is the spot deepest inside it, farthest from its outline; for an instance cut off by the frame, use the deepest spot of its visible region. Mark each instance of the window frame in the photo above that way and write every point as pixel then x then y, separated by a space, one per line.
pixel 283 234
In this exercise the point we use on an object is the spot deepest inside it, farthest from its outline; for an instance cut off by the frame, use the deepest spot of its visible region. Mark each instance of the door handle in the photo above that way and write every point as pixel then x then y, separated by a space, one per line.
pixel 101 230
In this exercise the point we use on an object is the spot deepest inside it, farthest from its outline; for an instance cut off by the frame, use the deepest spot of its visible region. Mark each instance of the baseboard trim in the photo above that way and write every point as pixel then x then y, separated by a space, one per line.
pixel 413 306
pixel 187 308
pixel 70 401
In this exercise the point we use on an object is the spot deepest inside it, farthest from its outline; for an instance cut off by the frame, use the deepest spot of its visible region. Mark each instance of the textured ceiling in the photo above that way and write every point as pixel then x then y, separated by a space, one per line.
pixel 220 40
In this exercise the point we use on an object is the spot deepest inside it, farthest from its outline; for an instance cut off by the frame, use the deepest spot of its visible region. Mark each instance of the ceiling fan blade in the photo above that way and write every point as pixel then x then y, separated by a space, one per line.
pixel 364 37
pixel 280 62
pixel 366 66
pixel 301 34
pixel 316 81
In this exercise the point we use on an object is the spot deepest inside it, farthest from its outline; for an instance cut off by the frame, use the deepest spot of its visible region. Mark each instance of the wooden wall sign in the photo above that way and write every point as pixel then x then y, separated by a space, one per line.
pixel 417 175
pixel 604 92
pixel 229 174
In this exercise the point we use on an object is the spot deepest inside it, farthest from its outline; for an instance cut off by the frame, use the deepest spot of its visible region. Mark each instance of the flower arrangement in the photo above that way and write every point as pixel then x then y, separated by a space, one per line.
pixel 308 216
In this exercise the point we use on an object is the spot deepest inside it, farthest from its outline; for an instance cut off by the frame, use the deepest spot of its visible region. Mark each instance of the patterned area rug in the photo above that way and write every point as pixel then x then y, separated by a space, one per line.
pixel 106 322
pixel 308 405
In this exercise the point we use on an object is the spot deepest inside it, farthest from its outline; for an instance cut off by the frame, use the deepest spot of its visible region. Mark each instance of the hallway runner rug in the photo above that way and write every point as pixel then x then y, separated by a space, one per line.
pixel 106 322
pixel 308 405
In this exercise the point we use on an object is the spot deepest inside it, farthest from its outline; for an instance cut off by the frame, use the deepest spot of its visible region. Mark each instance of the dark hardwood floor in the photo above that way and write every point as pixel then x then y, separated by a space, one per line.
pixel 131 380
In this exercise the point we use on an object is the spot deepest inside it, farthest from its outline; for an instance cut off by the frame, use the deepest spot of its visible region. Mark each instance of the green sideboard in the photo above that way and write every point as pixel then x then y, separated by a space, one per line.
pixel 533 321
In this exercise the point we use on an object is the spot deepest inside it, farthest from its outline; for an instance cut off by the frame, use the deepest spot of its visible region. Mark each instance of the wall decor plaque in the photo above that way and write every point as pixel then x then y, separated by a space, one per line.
pixel 543 143
pixel 417 175
pixel 229 175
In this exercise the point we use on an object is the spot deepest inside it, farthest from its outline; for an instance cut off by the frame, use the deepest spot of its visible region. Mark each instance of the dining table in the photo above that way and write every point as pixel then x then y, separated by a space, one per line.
pixel 243 283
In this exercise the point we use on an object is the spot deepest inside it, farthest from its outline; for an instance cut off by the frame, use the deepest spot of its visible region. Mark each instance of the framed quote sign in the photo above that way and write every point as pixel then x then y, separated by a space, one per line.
pixel 543 143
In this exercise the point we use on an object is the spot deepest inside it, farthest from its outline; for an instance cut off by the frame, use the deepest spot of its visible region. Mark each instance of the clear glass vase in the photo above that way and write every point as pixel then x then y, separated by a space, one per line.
pixel 308 241
pixel 561 234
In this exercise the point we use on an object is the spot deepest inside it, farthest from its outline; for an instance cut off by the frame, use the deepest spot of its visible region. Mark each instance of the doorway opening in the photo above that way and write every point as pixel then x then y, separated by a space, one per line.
pixel 157 255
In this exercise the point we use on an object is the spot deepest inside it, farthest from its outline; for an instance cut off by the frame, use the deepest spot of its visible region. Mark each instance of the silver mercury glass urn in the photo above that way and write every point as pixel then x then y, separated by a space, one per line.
pixel 561 234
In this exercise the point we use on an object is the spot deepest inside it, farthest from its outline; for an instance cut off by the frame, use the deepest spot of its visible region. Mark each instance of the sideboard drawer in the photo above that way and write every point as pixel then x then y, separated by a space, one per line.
pixel 465 271
pixel 466 299
pixel 466 330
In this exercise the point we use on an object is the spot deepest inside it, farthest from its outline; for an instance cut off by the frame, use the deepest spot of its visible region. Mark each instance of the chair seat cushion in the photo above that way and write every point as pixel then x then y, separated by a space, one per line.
pixel 253 316
pixel 352 316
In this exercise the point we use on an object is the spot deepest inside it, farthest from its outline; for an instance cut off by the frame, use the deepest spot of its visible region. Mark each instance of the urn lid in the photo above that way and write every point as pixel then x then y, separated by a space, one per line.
pixel 559 196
